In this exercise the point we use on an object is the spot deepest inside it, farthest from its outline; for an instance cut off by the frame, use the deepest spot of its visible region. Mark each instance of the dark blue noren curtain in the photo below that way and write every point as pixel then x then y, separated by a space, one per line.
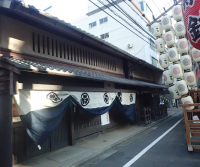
pixel 96 111
pixel 40 124
pixel 128 110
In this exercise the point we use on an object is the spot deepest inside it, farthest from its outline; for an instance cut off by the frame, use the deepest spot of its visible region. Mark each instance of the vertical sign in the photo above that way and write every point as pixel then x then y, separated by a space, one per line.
pixel 105 119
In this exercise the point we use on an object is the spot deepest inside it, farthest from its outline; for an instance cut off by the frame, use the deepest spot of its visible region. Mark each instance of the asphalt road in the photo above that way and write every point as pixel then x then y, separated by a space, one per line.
pixel 170 151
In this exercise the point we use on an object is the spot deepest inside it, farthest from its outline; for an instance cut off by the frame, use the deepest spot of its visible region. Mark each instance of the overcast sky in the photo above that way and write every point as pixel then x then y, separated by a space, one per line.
pixel 71 10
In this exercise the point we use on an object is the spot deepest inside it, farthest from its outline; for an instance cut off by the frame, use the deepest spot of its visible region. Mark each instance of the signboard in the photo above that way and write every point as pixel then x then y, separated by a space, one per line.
pixel 198 76
pixel 105 119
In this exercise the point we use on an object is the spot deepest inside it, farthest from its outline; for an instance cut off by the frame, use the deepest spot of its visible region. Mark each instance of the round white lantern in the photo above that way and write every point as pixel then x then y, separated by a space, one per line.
pixel 181 86
pixel 188 100
pixel 180 29
pixel 182 46
pixel 163 60
pixel 177 13
pixel 169 79
pixel 156 29
pixel 173 54
pixel 169 38
pixel 196 55
pixel 186 62
pixel 174 92
pixel 166 22
pixel 160 45
pixel 190 78
pixel 177 71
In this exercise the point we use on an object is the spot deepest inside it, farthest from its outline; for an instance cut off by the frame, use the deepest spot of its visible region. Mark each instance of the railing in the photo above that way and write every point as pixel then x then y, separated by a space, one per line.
pixel 149 114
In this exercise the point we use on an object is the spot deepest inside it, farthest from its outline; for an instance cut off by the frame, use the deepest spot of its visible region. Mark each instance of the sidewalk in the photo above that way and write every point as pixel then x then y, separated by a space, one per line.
pixel 88 149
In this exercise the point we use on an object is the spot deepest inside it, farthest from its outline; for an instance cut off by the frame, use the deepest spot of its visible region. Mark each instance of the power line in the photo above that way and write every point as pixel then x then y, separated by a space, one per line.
pixel 139 50
pixel 163 14
pixel 135 12
pixel 119 21
pixel 129 17
pixel 156 6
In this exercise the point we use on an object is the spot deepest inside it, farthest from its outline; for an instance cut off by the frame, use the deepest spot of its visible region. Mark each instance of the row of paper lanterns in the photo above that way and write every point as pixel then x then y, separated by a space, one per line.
pixel 180 89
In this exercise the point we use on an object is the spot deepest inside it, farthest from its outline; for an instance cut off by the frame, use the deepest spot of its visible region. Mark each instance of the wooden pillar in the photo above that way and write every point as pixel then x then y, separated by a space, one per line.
pixel 72 110
pixel 5 119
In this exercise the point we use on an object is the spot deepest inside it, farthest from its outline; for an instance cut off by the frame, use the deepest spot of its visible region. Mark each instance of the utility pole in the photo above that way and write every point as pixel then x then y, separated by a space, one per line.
pixel 140 11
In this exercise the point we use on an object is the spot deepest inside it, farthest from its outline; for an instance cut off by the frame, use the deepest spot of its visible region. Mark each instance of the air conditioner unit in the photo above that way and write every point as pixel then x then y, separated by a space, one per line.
pixel 130 45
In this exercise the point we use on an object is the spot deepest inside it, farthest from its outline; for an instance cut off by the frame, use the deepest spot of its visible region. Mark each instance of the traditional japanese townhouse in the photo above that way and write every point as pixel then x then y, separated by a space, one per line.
pixel 61 81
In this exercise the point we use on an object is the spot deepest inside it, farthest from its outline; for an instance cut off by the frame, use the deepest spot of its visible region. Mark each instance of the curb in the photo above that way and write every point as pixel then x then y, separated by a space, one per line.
pixel 85 160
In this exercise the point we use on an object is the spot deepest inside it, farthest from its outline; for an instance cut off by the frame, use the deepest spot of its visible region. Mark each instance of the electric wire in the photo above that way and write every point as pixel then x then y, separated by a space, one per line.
pixel 156 6
pixel 122 19
pixel 140 50
pixel 118 21
pixel 120 9
pixel 135 11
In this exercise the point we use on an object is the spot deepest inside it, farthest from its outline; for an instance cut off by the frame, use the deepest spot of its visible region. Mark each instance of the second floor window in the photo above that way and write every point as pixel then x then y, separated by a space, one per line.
pixel 93 24
pixel 142 6
pixel 103 36
pixel 152 45
pixel 103 20
pixel 154 62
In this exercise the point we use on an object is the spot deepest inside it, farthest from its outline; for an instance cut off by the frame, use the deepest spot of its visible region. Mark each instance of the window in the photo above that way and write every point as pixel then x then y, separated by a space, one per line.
pixel 154 62
pixel 103 36
pixel 103 20
pixel 152 45
pixel 93 24
pixel 142 6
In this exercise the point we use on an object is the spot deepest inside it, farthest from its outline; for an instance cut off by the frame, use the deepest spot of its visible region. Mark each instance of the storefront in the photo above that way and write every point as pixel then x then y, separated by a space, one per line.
pixel 63 83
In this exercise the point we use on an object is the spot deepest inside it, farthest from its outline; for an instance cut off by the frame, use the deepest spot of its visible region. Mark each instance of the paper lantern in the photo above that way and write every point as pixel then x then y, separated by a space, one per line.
pixel 169 79
pixel 181 86
pixel 182 45
pixel 174 92
pixel 169 38
pixel 160 45
pixel 177 13
pixel 187 100
pixel 177 71
pixel 196 55
pixel 173 54
pixel 186 62
pixel 180 29
pixel 156 29
pixel 166 22
pixel 190 78
pixel 163 60
pixel 191 18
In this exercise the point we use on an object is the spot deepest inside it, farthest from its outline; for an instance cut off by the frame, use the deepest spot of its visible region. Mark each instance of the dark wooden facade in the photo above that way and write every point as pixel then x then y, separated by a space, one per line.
pixel 35 37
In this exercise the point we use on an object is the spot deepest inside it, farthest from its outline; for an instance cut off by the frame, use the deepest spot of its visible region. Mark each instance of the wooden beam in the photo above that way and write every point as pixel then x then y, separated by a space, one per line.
pixel 5 125
pixel 69 88
pixel 9 67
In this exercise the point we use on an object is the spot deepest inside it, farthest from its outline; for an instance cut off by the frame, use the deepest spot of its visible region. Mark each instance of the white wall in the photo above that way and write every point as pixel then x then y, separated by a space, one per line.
pixel 118 34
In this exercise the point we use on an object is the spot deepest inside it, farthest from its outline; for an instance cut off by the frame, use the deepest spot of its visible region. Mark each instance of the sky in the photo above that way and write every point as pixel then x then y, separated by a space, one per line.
pixel 72 10
pixel 68 10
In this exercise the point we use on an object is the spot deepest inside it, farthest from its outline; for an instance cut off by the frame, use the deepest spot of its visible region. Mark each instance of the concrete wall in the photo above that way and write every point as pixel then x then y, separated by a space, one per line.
pixel 119 35
pixel 5 3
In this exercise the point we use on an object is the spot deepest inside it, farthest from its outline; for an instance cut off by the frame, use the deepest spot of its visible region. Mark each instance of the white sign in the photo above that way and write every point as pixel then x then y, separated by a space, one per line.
pixel 105 119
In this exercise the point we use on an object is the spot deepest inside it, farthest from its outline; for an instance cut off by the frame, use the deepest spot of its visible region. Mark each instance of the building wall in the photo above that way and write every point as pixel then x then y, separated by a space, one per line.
pixel 119 35
pixel 23 38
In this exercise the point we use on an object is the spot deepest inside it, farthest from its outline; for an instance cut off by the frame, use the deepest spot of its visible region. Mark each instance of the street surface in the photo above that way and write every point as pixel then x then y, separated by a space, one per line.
pixel 169 150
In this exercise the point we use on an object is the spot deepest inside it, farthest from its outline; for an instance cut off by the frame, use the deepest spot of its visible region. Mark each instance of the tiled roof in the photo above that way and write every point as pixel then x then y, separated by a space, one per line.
pixel 65 71
pixel 31 10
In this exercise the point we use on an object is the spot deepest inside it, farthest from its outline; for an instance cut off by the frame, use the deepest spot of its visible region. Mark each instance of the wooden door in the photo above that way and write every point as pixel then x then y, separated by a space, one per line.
pixel 60 137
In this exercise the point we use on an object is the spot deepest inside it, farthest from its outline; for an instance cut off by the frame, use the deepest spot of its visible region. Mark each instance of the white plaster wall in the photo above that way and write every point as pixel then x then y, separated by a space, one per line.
pixel 119 35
